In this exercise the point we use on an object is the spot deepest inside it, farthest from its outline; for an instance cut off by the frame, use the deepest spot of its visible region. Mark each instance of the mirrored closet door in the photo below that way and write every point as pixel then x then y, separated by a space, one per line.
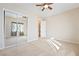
pixel 15 28
pixel 22 23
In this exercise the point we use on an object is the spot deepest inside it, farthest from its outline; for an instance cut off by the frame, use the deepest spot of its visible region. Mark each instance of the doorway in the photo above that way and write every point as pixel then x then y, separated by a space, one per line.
pixel 42 29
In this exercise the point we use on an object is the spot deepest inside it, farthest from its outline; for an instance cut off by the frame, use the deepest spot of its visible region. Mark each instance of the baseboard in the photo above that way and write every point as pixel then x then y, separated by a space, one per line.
pixel 1 48
pixel 74 42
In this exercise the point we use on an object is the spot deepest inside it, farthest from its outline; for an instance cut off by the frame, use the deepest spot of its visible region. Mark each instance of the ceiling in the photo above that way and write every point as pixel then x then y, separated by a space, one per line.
pixel 57 8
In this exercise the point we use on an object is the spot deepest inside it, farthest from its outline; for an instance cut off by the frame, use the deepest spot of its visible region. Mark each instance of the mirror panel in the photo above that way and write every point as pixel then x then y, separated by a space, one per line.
pixel 22 29
pixel 15 28
pixel 10 28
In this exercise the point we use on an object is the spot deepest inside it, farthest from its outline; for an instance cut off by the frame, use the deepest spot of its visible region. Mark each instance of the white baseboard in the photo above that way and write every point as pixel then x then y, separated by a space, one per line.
pixel 74 42
pixel 1 48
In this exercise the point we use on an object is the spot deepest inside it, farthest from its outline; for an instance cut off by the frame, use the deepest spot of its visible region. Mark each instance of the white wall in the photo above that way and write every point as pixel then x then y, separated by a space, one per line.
pixel 1 30
pixel 32 29
pixel 32 34
pixel 64 26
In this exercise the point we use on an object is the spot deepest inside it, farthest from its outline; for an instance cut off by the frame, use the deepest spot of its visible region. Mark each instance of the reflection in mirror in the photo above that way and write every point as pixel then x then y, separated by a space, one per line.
pixel 10 38
pixel 15 28
pixel 22 29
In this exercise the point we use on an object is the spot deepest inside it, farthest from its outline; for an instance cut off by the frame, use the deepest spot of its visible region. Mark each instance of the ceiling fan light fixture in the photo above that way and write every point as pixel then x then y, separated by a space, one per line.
pixel 46 6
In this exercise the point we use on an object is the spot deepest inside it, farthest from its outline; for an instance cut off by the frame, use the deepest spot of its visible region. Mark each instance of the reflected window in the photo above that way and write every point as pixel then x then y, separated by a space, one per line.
pixel 17 28
pixel 20 29
pixel 13 29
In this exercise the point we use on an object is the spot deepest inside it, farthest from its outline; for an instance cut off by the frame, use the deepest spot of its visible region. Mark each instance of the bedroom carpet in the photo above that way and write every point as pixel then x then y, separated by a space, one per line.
pixel 42 47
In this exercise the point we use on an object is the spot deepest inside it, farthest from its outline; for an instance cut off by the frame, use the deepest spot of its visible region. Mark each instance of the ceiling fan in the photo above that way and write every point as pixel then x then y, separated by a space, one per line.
pixel 45 6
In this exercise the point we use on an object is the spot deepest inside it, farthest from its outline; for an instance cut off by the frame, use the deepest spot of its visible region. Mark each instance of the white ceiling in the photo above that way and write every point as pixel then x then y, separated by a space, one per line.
pixel 57 8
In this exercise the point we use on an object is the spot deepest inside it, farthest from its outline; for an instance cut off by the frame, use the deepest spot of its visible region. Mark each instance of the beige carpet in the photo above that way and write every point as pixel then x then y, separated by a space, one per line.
pixel 42 47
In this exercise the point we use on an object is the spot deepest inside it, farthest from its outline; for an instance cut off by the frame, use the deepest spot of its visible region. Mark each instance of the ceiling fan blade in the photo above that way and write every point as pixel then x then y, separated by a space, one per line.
pixel 50 7
pixel 43 9
pixel 49 3
pixel 38 5
pixel 44 4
